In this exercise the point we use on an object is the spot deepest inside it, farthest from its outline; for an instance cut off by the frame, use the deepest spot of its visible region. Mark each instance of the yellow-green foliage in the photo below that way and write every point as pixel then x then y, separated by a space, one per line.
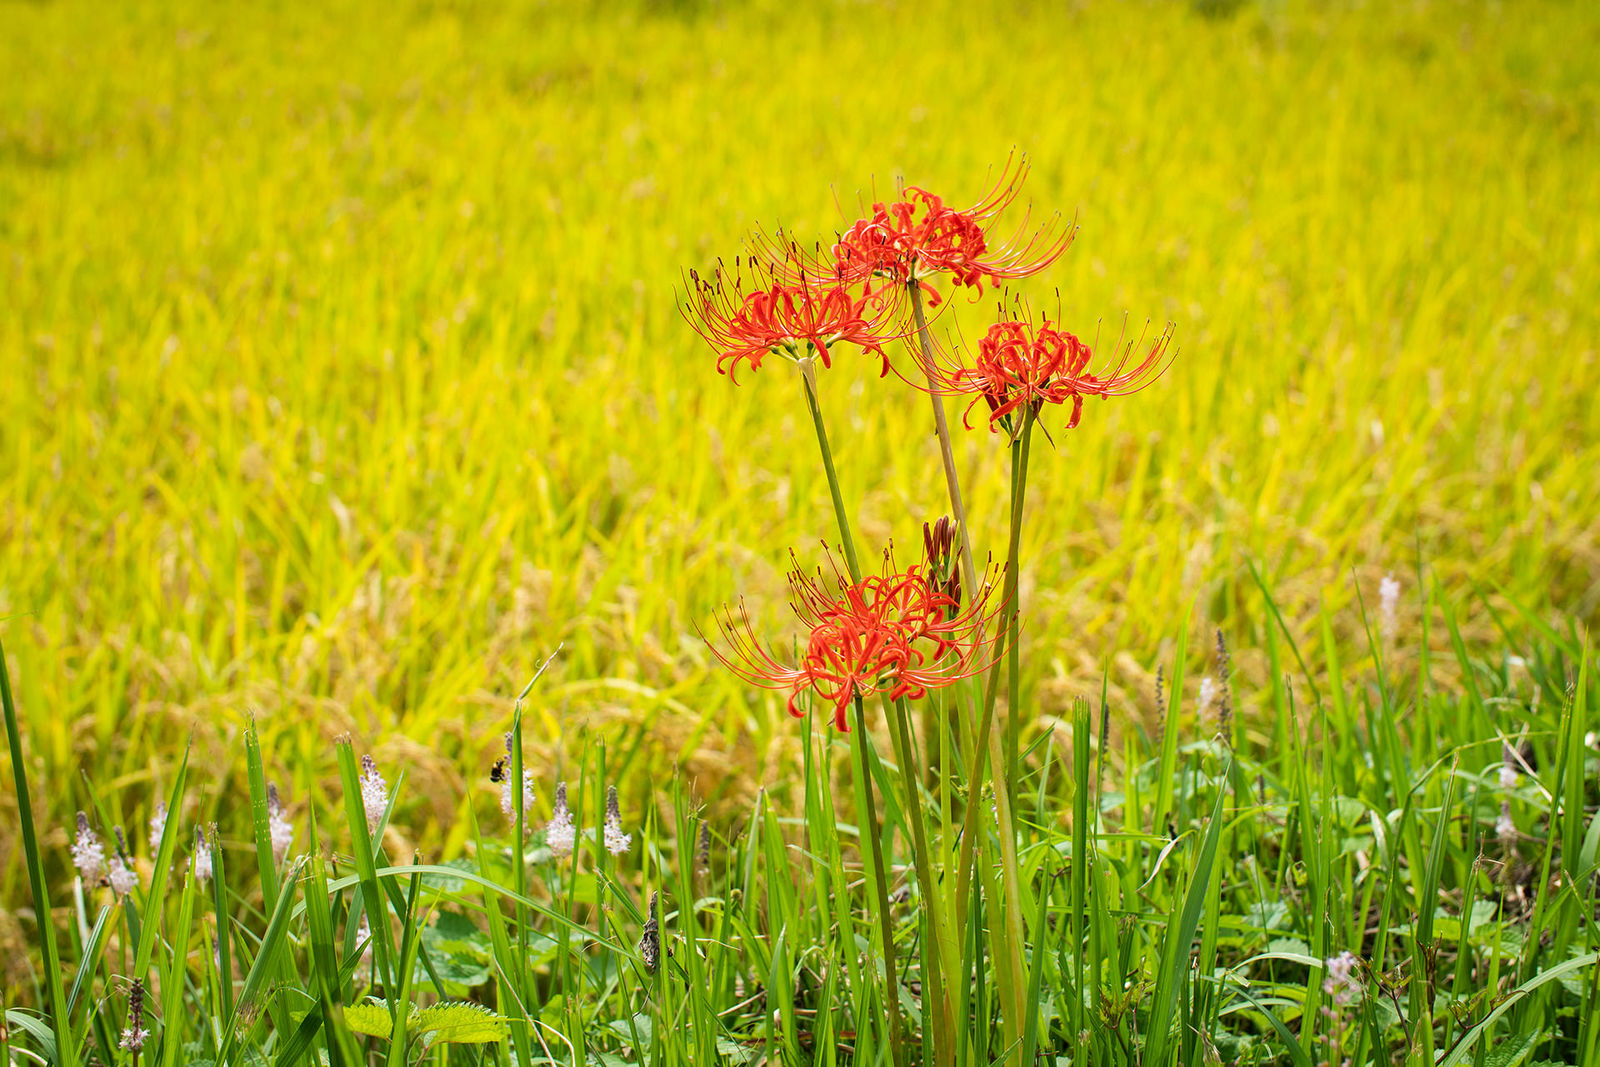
pixel 341 377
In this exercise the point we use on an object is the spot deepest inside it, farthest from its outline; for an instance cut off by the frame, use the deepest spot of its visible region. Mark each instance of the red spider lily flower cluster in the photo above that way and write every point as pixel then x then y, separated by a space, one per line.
pixel 802 316
pixel 919 237
pixel 1021 365
pixel 889 633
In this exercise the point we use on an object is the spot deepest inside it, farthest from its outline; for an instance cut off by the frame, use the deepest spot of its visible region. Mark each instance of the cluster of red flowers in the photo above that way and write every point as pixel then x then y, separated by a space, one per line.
pixel 901 632
pixel 1020 365
pixel 889 633
pixel 798 319
pixel 801 305
pixel 919 237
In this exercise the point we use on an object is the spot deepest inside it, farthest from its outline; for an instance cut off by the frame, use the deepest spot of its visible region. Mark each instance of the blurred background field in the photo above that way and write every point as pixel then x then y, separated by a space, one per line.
pixel 342 377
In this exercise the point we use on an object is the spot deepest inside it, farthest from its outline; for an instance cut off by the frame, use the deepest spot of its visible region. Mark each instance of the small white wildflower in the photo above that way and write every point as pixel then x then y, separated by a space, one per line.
pixel 88 855
pixel 1388 602
pixel 202 855
pixel 158 826
pixel 508 798
pixel 1590 739
pixel 124 879
pixel 119 872
pixel 561 835
pixel 279 828
pixel 1208 692
pixel 1505 828
pixel 374 792
pixel 133 1038
pixel 1341 983
pixel 617 842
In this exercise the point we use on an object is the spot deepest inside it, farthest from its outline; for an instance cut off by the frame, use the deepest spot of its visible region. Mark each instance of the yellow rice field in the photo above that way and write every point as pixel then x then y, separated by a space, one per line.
pixel 342 380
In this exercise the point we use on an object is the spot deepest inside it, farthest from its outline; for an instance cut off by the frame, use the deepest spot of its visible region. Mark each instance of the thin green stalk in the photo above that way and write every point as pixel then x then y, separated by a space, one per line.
pixel 66 1050
pixel 1019 490
pixel 988 744
pixel 941 957
pixel 808 379
pixel 878 885
pixel 942 430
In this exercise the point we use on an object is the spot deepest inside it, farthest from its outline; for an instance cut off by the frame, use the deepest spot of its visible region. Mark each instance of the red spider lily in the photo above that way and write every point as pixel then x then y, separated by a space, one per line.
pixel 797 319
pixel 890 633
pixel 1022 365
pixel 918 237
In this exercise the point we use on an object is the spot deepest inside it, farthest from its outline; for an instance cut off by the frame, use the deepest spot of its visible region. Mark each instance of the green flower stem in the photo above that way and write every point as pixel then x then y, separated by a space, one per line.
pixel 1009 966
pixel 808 379
pixel 946 453
pixel 868 818
pixel 1006 948
pixel 943 959
pixel 877 882
pixel 1019 490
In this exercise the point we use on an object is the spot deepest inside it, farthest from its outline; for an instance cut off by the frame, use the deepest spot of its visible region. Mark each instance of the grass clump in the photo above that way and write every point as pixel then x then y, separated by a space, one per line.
pixel 1410 881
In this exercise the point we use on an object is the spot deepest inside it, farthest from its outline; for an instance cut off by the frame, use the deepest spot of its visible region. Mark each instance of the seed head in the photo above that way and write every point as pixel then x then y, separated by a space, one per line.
pixel 134 1035
pixel 88 855
pixel 617 842
pixel 1388 603
pixel 279 828
pixel 1225 708
pixel 702 855
pixel 650 943
pixel 508 796
pixel 374 792
pixel 120 873
pixel 561 835
pixel 202 855
pixel 158 826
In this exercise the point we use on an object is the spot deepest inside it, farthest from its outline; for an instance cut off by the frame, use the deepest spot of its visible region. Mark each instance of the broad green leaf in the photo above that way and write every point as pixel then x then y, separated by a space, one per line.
pixel 369 1019
pixel 459 1024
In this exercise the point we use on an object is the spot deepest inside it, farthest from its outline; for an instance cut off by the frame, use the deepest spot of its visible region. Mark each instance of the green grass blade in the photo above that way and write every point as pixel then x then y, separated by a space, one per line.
pixel 60 1017
pixel 1181 927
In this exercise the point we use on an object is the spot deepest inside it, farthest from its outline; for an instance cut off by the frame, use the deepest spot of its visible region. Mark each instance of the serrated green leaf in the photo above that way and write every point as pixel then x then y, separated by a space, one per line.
pixel 369 1019
pixel 459 1024
pixel 1512 1051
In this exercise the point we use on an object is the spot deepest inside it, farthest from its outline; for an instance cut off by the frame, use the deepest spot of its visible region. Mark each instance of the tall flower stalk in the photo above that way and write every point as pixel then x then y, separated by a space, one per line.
pixel 900 635
pixel 800 307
